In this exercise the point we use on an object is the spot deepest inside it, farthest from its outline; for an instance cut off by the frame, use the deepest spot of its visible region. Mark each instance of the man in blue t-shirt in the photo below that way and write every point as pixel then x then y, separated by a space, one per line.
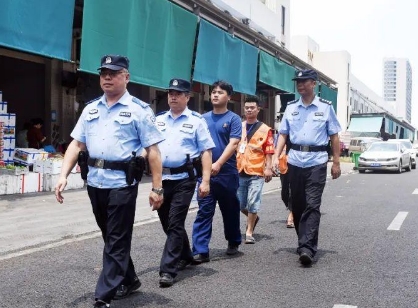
pixel 225 129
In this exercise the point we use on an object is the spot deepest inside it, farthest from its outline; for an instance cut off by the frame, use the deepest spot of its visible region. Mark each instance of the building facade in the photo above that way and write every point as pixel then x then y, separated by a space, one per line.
pixel 397 86
pixel 270 18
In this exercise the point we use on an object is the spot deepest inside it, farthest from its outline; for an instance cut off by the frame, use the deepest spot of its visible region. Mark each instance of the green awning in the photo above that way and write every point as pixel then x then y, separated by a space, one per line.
pixel 42 27
pixel 219 55
pixel 366 124
pixel 157 36
pixel 329 94
pixel 276 73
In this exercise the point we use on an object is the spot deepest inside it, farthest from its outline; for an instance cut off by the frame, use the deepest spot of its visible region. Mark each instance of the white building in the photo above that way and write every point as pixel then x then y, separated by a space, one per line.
pixel 353 95
pixel 397 86
pixel 270 18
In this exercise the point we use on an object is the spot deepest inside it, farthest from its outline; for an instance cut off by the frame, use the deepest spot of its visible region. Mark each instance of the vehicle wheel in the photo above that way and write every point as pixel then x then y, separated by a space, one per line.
pixel 400 167
pixel 362 171
pixel 409 166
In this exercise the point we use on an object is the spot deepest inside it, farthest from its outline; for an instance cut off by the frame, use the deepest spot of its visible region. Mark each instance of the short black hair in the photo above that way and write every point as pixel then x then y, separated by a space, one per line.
pixel 252 99
pixel 224 86
pixel 37 121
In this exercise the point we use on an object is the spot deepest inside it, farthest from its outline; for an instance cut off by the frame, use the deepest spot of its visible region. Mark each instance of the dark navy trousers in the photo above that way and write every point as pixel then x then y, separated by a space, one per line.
pixel 223 189
pixel 306 188
pixel 177 197
pixel 114 210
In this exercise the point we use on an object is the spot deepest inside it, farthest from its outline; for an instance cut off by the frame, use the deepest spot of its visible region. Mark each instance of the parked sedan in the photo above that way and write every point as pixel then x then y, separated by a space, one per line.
pixel 408 145
pixel 382 155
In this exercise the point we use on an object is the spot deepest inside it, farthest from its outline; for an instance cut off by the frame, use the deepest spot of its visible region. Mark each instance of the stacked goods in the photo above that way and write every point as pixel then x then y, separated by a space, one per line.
pixel 28 156
pixel 7 137
pixel 50 165
pixel 3 105
pixel 2 163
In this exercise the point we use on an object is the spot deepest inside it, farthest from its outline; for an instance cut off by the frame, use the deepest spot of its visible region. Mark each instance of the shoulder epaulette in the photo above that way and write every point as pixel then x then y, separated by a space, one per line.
pixel 93 100
pixel 139 102
pixel 161 113
pixel 325 101
pixel 196 114
pixel 292 102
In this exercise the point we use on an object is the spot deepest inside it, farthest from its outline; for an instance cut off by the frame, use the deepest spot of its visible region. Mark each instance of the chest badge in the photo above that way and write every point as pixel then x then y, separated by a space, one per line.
pixel 187 125
pixel 125 114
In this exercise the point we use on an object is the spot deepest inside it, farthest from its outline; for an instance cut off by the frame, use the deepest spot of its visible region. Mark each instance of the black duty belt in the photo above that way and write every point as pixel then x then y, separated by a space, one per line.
pixel 178 170
pixel 309 148
pixel 107 164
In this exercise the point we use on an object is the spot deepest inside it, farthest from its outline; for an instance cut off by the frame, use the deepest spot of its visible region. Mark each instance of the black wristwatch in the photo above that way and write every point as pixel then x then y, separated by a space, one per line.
pixel 158 191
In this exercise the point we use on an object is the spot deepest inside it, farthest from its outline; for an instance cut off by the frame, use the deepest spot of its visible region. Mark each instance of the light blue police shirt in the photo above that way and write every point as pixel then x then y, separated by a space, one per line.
pixel 112 133
pixel 309 125
pixel 187 134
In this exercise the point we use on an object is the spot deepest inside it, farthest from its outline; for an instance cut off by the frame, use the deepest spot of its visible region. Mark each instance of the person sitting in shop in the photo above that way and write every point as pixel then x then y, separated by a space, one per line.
pixel 35 136
pixel 22 136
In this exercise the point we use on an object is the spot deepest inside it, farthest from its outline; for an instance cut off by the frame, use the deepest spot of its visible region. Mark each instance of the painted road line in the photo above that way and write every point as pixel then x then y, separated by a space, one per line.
pixel 343 306
pixel 397 221
pixel 415 191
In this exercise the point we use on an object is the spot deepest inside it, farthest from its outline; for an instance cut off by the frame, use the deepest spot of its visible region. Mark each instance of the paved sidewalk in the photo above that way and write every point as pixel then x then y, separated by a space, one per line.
pixel 30 221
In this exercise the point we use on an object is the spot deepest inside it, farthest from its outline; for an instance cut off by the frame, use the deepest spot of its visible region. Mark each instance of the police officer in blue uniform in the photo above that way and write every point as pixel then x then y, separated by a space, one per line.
pixel 186 153
pixel 309 122
pixel 114 128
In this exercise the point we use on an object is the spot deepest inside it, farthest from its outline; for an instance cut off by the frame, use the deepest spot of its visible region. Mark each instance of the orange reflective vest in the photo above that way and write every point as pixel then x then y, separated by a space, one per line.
pixel 283 162
pixel 252 161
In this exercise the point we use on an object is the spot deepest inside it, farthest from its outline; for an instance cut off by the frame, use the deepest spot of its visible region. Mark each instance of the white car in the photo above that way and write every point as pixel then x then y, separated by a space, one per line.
pixel 382 155
pixel 409 147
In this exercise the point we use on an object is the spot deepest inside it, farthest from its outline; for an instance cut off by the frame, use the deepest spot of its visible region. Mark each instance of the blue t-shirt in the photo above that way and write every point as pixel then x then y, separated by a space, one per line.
pixel 222 128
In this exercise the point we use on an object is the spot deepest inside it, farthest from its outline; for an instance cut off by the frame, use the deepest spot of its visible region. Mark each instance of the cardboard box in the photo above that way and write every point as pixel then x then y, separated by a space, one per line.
pixel 9 142
pixel 9 119
pixel 28 156
pixel 38 166
pixel 31 182
pixel 74 181
pixel 7 154
pixel 3 107
pixel 52 166
pixel 9 184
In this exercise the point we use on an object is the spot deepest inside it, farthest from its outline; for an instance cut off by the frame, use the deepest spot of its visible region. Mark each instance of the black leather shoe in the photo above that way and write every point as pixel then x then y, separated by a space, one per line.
pixel 200 258
pixel 232 249
pixel 183 264
pixel 166 280
pixel 124 290
pixel 100 304
pixel 305 258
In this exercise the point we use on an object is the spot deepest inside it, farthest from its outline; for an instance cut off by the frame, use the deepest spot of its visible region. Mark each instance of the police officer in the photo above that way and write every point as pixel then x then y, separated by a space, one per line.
pixel 309 122
pixel 185 151
pixel 112 129
pixel 225 128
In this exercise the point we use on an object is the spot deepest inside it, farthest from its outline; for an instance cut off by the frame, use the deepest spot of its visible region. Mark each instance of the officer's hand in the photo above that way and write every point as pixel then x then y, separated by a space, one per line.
pixel 275 162
pixel 216 167
pixel 155 200
pixel 59 188
pixel 268 174
pixel 204 189
pixel 335 171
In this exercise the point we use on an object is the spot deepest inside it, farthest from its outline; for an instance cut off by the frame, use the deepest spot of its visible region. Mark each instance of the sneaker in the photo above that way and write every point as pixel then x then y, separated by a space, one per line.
pixel 166 280
pixel 100 304
pixel 305 258
pixel 125 290
pixel 200 258
pixel 182 264
pixel 232 249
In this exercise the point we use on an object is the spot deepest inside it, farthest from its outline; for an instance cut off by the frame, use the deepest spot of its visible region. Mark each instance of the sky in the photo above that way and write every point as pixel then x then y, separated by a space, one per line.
pixel 369 30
